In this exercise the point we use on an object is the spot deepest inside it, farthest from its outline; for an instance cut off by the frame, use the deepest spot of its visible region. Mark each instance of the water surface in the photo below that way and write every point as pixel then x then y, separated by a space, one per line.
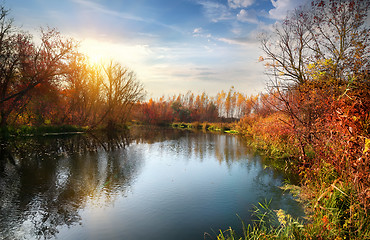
pixel 145 184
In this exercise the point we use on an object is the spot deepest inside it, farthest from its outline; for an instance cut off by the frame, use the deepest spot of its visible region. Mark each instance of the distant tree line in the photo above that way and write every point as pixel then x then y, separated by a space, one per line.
pixel 227 106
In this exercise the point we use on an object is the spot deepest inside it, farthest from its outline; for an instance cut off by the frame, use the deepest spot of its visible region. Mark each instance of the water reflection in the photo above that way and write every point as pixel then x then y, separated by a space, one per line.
pixel 46 184
pixel 227 148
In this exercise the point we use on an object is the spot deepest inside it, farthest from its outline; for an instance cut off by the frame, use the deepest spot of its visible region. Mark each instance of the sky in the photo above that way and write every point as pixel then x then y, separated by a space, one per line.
pixel 173 46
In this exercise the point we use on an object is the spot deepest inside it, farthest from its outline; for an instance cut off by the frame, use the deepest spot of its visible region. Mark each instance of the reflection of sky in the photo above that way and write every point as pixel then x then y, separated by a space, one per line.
pixel 63 173
pixel 173 45
pixel 185 187
pixel 179 186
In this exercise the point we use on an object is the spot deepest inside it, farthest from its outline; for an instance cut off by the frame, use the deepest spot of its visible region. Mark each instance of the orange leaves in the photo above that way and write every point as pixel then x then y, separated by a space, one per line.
pixel 325 220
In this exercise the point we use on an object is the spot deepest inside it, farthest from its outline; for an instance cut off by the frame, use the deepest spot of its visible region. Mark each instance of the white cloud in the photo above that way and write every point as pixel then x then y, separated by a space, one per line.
pixel 281 7
pixel 201 33
pixel 240 3
pixel 197 30
pixel 174 79
pixel 102 9
pixel 236 30
pixel 215 11
pixel 247 16
pixel 262 28
pixel 247 43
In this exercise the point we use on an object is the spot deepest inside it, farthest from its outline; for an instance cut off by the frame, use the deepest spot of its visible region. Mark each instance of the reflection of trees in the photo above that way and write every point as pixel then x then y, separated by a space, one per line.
pixel 225 148
pixel 45 182
pixel 152 134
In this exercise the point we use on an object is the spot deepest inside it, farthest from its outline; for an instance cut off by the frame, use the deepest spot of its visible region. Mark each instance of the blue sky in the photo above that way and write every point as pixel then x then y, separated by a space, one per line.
pixel 173 45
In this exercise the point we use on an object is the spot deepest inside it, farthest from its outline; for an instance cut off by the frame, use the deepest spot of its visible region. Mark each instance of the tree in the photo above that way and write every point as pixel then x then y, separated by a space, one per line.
pixel 317 54
pixel 331 29
pixel 121 90
pixel 81 93
pixel 181 113
pixel 24 65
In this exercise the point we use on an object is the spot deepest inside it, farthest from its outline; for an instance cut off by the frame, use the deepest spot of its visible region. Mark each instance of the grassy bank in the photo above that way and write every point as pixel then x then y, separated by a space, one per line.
pixel 332 213
pixel 206 126
pixel 335 206
pixel 25 130
pixel 333 203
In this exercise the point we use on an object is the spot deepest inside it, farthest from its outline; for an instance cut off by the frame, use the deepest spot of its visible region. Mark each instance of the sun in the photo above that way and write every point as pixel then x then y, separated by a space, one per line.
pixel 93 51
pixel 94 59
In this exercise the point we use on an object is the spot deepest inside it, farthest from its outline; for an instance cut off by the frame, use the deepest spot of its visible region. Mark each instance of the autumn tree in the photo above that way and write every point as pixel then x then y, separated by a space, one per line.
pixel 25 65
pixel 155 112
pixel 329 36
pixel 81 94
pixel 121 90
pixel 318 63
pixel 330 29
pixel 220 103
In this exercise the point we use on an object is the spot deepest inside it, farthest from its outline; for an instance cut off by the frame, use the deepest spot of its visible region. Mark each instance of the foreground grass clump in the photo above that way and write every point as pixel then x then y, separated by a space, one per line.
pixel 333 212
pixel 269 224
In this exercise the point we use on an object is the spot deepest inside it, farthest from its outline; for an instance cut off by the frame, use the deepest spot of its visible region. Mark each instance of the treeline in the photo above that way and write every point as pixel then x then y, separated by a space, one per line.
pixel 53 83
pixel 224 107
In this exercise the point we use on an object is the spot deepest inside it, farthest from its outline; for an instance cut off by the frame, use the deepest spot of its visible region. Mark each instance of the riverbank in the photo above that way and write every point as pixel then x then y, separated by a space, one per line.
pixel 42 130
pixel 335 205
pixel 332 204
pixel 54 130
pixel 206 126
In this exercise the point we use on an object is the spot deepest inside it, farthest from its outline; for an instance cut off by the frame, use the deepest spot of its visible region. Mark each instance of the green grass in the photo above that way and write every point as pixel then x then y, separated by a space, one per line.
pixel 269 224
pixel 206 126
pixel 40 130
pixel 333 212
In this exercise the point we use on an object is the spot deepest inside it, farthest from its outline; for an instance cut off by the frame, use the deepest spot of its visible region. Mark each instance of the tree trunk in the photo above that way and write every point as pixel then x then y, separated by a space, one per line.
pixel 4 118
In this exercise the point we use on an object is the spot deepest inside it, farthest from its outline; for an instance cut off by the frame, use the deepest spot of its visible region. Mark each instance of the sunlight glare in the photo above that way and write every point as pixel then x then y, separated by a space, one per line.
pixel 94 51
pixel 94 59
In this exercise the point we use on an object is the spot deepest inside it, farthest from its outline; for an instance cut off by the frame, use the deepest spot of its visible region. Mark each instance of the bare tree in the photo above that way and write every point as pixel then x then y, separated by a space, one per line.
pixel 330 29
pixel 121 90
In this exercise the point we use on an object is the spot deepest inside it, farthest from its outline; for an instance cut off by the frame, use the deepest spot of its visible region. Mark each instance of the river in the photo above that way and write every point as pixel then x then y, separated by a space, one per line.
pixel 149 183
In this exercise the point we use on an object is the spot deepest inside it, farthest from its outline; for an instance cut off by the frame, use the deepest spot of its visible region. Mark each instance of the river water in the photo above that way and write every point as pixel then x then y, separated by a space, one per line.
pixel 149 183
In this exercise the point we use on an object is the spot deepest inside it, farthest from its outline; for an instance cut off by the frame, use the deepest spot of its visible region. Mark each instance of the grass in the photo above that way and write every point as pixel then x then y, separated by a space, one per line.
pixel 332 206
pixel 331 201
pixel 206 126
pixel 40 130
pixel 335 212
pixel 332 212
pixel 269 224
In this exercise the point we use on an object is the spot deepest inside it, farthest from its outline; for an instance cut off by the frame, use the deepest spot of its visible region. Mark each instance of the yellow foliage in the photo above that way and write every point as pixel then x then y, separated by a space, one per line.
pixel 320 68
pixel 367 145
